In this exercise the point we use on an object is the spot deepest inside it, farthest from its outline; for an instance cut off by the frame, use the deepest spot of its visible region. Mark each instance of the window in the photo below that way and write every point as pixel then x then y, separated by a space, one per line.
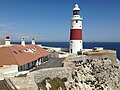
pixel 15 52
pixel 28 64
pixel 20 51
pixel 76 12
pixel 20 68
pixel 71 50
pixel 76 21
pixel 105 58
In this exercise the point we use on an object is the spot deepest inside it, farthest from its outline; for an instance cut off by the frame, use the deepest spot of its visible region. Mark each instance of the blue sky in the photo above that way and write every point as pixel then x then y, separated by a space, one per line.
pixel 49 20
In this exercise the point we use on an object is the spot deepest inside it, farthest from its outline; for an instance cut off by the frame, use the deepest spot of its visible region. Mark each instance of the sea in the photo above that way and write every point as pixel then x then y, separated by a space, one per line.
pixel 86 45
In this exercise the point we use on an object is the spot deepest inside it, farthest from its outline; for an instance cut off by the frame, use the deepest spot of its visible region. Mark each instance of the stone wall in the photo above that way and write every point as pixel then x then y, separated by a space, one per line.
pixel 110 56
pixel 41 74
pixel 53 55
pixel 103 55
pixel 20 83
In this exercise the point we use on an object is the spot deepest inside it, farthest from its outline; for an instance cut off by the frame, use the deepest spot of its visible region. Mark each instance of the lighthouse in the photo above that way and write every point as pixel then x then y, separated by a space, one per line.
pixel 76 31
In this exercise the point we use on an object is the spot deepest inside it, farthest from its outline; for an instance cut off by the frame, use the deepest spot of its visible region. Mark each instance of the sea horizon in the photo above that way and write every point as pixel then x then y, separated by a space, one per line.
pixel 69 41
pixel 86 45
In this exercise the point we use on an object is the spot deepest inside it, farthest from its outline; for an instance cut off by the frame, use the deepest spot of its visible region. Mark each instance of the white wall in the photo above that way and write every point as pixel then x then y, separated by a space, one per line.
pixel 31 65
pixel 76 45
pixel 6 69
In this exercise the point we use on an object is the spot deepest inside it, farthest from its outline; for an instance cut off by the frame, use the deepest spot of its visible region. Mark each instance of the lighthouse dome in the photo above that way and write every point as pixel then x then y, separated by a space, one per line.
pixel 76 7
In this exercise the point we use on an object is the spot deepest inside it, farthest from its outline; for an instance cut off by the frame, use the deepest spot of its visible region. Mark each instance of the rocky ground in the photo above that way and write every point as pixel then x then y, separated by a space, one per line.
pixel 87 74
pixel 92 74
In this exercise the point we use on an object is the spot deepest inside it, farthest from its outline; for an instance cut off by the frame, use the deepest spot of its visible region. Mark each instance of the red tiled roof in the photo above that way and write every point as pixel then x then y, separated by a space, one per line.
pixel 17 55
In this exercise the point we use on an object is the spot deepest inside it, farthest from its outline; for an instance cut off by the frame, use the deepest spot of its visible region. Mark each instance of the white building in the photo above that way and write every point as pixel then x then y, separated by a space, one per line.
pixel 14 58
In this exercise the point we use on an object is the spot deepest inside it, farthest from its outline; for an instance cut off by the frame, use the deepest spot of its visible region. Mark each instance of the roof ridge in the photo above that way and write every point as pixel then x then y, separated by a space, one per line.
pixel 14 56
pixel 30 47
pixel 38 50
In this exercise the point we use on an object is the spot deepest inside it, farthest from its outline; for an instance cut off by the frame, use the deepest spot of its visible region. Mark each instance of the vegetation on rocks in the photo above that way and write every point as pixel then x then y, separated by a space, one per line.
pixel 55 83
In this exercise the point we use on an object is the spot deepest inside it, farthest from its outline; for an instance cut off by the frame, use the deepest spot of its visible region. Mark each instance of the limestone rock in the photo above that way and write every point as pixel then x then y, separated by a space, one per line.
pixel 94 74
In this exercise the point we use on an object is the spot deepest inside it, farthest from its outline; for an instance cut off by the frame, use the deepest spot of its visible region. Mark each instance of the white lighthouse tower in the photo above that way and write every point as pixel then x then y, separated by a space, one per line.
pixel 76 31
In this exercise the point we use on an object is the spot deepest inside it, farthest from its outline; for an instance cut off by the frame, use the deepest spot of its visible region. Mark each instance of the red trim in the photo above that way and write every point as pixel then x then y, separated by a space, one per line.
pixel 76 34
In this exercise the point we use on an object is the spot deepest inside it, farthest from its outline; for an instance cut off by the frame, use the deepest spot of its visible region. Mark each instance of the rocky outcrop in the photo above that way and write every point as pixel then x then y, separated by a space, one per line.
pixel 82 73
pixel 94 74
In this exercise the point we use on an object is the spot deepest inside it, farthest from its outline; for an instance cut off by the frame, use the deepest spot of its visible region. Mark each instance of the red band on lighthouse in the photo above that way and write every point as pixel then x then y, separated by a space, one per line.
pixel 76 34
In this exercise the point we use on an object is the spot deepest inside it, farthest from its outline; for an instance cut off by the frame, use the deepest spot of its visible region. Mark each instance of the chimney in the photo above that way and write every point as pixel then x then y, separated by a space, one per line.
pixel 33 41
pixel 23 42
pixel 7 41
